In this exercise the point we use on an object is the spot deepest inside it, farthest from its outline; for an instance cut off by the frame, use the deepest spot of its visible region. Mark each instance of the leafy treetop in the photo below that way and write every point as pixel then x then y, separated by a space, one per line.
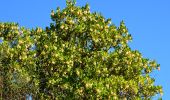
pixel 82 55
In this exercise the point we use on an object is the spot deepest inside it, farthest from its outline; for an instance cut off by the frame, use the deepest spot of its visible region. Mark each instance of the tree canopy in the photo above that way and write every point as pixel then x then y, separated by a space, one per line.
pixel 81 55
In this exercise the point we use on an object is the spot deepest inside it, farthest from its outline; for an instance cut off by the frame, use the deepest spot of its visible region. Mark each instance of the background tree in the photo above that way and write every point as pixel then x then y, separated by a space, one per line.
pixel 15 58
pixel 82 55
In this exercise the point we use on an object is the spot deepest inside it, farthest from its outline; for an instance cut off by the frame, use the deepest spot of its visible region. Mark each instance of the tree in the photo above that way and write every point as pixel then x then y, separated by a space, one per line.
pixel 80 56
pixel 15 59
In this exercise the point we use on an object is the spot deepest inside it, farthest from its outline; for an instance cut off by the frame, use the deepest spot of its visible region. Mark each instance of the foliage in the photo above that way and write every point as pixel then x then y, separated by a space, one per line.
pixel 80 56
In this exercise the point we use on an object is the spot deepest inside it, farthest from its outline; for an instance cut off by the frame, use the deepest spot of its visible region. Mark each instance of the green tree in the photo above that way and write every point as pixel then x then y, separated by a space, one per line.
pixel 81 55
pixel 14 69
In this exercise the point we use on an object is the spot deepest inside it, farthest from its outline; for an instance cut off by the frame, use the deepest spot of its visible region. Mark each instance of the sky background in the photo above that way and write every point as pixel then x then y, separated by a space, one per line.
pixel 147 20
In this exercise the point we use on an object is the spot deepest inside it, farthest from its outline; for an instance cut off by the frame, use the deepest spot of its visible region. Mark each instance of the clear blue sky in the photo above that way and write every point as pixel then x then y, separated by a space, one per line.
pixel 147 20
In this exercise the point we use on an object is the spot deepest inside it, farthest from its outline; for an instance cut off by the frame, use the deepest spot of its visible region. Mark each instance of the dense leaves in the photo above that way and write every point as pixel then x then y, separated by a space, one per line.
pixel 81 55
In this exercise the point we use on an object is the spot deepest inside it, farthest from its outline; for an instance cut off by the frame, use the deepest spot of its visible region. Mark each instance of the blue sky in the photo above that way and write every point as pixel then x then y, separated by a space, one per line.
pixel 147 21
